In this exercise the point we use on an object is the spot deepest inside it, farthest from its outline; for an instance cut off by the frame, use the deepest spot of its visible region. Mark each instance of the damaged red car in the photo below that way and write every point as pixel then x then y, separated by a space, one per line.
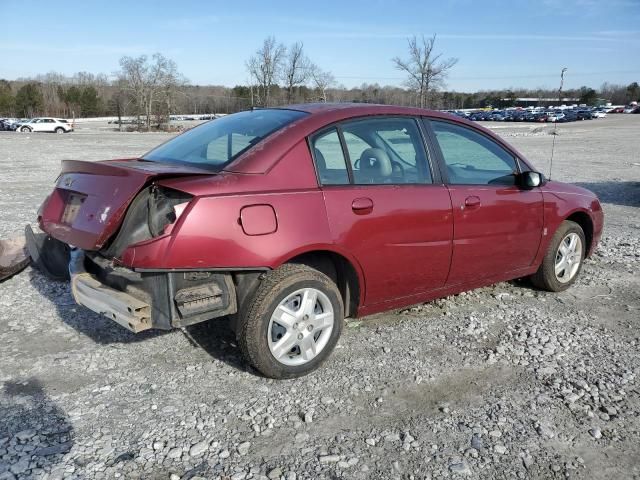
pixel 287 220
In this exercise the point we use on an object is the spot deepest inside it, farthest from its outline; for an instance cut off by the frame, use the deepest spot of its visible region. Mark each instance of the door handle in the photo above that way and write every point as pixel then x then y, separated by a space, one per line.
pixel 362 206
pixel 472 202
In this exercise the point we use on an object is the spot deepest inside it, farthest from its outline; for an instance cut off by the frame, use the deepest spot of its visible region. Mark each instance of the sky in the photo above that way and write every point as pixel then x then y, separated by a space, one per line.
pixel 498 44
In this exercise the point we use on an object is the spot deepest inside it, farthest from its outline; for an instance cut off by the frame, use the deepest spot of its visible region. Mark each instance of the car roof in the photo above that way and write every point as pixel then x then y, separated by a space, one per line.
pixel 355 109
pixel 322 115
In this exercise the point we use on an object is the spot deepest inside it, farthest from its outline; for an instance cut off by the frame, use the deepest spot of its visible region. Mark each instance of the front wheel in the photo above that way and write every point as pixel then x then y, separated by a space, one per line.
pixel 563 260
pixel 292 323
pixel 25 129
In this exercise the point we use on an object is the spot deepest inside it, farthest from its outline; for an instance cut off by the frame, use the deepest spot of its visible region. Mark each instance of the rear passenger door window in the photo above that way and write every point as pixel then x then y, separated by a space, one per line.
pixel 329 158
pixel 473 159
pixel 387 150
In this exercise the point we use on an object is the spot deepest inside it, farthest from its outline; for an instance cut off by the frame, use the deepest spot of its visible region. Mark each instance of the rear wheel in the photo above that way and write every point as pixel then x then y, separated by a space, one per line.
pixel 292 322
pixel 563 260
pixel 59 130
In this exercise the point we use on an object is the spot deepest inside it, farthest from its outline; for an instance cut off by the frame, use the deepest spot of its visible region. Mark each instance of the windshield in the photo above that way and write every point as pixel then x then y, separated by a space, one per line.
pixel 216 143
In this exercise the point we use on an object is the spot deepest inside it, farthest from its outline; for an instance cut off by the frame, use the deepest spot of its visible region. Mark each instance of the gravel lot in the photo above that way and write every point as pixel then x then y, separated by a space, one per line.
pixel 502 382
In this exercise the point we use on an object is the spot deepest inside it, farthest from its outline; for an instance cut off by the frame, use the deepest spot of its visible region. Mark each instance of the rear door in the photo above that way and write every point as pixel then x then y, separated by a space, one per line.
pixel 384 206
pixel 497 224
pixel 46 125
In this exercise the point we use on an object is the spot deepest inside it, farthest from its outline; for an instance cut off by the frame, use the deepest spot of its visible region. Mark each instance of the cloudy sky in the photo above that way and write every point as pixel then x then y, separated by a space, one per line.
pixel 499 44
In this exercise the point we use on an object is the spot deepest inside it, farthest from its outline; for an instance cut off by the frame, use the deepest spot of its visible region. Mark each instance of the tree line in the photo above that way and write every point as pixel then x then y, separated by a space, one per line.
pixel 151 87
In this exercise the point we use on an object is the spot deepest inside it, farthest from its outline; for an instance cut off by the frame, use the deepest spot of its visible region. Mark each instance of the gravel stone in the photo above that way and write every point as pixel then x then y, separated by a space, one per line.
pixel 198 449
pixel 243 448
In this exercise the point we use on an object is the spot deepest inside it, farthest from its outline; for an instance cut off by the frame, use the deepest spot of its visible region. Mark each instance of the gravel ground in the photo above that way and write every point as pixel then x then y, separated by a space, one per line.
pixel 502 382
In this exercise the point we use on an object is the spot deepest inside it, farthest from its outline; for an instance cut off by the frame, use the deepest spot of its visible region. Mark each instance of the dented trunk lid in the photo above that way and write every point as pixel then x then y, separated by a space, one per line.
pixel 90 198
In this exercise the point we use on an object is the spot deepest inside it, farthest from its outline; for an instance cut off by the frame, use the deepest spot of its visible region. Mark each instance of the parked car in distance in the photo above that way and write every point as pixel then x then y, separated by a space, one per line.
pixel 584 114
pixel 291 219
pixel 598 114
pixel 46 124
pixel 567 116
pixel 554 116
pixel 13 123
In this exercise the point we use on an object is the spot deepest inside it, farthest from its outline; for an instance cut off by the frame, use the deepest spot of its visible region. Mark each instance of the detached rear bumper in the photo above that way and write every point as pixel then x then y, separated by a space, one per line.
pixel 142 300
pixel 120 307
pixel 136 300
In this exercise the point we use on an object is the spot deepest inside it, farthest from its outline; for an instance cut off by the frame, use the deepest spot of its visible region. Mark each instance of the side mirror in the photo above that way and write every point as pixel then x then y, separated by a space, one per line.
pixel 532 179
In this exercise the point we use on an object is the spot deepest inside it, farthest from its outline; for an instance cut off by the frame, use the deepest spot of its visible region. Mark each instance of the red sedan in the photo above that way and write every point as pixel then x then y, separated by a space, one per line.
pixel 290 219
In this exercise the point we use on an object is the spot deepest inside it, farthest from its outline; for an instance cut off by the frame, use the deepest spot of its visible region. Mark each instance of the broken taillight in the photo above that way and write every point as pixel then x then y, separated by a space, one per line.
pixel 165 207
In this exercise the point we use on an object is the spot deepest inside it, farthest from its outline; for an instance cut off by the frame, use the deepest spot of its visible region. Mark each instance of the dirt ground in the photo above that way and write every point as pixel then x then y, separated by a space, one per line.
pixel 502 382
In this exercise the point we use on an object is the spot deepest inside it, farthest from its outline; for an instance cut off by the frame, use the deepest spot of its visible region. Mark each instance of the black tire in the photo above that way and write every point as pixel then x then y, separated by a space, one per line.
pixel 545 278
pixel 59 130
pixel 255 315
pixel 25 129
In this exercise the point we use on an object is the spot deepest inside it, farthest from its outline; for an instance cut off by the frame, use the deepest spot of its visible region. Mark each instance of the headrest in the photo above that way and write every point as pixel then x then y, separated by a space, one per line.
pixel 321 163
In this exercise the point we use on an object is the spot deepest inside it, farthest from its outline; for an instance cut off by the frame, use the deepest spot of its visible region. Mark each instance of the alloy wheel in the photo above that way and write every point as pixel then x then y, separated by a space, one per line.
pixel 300 327
pixel 568 257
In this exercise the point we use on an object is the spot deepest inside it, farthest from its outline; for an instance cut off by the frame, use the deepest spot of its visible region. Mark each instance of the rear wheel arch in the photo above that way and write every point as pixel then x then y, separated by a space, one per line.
pixel 344 273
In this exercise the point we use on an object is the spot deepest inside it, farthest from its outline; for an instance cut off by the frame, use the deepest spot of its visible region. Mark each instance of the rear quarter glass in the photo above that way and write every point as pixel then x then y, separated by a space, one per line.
pixel 215 144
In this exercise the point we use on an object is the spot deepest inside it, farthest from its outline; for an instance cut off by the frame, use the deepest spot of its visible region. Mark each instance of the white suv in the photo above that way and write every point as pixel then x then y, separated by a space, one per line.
pixel 46 124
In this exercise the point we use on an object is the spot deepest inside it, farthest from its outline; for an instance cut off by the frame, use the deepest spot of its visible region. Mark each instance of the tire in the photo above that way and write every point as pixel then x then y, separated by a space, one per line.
pixel 59 130
pixel 260 336
pixel 25 129
pixel 546 277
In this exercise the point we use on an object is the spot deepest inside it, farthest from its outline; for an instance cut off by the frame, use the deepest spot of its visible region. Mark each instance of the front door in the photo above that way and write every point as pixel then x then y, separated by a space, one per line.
pixel 497 224
pixel 383 206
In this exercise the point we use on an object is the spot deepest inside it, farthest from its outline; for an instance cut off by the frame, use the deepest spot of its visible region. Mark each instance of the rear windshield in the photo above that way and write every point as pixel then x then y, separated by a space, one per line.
pixel 216 143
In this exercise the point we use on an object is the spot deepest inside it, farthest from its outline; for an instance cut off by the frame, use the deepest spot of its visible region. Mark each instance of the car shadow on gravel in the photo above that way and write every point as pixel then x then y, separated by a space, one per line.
pixel 217 339
pixel 32 428
pixel 619 193
pixel 97 327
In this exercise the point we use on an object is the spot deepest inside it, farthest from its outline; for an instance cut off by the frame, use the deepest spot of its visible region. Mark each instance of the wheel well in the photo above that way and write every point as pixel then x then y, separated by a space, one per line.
pixel 338 269
pixel 586 224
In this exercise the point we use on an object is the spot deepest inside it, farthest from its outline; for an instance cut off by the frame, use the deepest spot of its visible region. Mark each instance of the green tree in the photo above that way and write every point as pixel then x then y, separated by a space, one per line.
pixel 470 101
pixel 509 99
pixel 7 100
pixel 90 102
pixel 241 91
pixel 29 100
pixel 633 90
pixel 588 96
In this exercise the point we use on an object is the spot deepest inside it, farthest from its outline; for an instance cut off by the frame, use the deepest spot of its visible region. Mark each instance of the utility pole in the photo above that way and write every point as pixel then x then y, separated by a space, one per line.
pixel 561 83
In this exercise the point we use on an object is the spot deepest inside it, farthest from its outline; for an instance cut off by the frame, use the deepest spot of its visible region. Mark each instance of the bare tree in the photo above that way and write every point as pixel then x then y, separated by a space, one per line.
pixel 264 68
pixel 150 82
pixel 322 80
pixel 297 69
pixel 426 71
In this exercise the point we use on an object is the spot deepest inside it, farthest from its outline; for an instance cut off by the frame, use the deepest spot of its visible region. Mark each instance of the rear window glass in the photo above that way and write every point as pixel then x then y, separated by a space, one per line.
pixel 216 143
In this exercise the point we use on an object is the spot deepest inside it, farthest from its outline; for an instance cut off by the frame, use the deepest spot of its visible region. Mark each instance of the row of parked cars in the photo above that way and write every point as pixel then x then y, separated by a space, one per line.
pixel 173 118
pixel 40 124
pixel 565 115
pixel 560 115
